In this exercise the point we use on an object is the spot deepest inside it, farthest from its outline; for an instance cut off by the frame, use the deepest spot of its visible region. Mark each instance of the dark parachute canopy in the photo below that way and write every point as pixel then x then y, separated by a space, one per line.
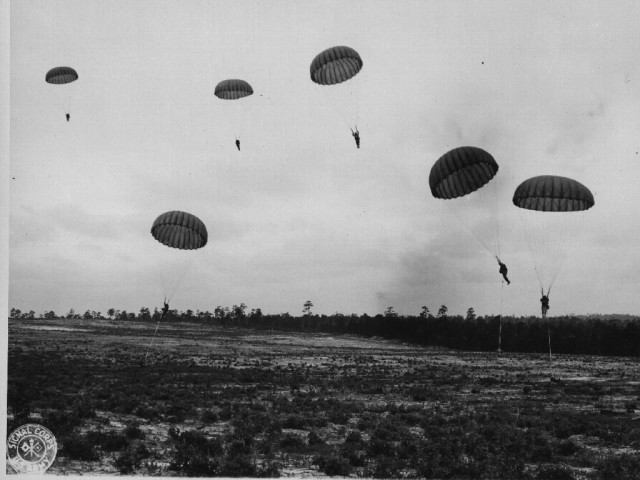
pixel 335 65
pixel 549 236
pixel 180 230
pixel 549 193
pixel 461 171
pixel 233 89
pixel 61 75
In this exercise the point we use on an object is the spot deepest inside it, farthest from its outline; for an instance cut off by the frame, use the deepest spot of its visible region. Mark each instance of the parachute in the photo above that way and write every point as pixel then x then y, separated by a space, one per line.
pixel 550 207
pixel 180 230
pixel 61 75
pixel 233 89
pixel 335 65
pixel 548 193
pixel 461 171
pixel 237 116
pixel 465 176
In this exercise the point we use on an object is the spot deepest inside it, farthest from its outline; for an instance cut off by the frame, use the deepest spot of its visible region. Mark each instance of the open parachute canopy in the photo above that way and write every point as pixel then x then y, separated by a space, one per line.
pixel 335 65
pixel 549 193
pixel 233 89
pixel 461 171
pixel 180 230
pixel 61 75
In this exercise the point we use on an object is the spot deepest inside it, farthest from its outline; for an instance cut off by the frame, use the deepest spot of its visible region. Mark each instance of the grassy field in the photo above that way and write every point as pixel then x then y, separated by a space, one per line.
pixel 221 401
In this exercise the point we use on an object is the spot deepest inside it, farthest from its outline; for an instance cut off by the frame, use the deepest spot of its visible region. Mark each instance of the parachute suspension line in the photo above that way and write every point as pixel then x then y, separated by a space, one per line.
pixel 531 237
pixel 172 276
pixel 548 237
pixel 480 221
pixel 549 335
pixel 180 279
pixel 500 326
pixel 152 339
pixel 563 241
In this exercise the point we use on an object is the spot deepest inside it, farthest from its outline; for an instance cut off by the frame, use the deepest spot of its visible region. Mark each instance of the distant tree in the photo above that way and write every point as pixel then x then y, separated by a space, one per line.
pixel 71 313
pixel 131 316
pixel 50 315
pixel 442 311
pixel 111 312
pixel 88 315
pixel 144 314
pixel 471 314
pixel 219 312
pixel 255 313
pixel 238 311
pixel 31 315
pixel 12 314
pixel 425 313
pixel 390 313
pixel 307 308
pixel 123 315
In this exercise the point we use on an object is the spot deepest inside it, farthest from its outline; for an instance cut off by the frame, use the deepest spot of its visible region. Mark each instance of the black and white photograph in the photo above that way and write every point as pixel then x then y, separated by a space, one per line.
pixel 302 238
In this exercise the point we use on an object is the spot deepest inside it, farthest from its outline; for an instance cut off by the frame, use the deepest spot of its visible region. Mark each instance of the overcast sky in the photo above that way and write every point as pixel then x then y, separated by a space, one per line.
pixel 300 213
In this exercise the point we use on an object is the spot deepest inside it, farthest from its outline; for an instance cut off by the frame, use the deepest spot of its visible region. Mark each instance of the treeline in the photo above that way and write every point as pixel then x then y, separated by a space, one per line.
pixel 569 334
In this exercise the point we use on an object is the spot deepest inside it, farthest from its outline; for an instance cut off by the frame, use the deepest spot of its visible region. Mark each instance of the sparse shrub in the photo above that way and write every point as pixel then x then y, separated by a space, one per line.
pixel 568 448
pixel 84 409
pixel 195 454
pixel 238 466
pixel 147 413
pixel 269 470
pixel 124 404
pixel 240 447
pixel 355 455
pixel 111 441
pixel 295 421
pixel 314 439
pixel 176 414
pixel 133 431
pixel 209 416
pixel 353 437
pixel 127 462
pixel 333 465
pixel 554 472
pixel 292 442
pixel 78 447
pixel 61 423
pixel 385 468
pixel 620 467
pixel 339 417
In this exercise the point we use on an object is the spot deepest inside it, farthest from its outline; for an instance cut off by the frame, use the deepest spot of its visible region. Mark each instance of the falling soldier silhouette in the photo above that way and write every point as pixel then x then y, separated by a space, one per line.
pixel 503 270
pixel 238 144
pixel 165 310
pixel 356 135
pixel 68 116
pixel 545 303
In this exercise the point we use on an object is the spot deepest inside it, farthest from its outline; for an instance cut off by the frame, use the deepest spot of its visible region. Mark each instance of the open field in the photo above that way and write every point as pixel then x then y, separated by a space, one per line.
pixel 236 402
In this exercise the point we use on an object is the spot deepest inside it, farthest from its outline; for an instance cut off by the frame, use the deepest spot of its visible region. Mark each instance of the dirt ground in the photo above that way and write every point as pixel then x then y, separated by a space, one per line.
pixel 349 381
